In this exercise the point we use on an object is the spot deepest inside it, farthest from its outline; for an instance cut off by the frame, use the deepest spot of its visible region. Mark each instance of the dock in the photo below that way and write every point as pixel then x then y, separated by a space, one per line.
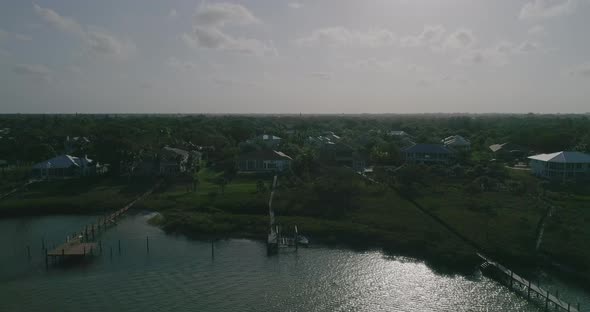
pixel 275 239
pixel 83 243
pixel 525 287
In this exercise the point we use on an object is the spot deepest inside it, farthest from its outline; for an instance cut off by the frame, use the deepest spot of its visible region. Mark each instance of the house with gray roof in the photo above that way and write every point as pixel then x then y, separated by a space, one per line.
pixel 427 153
pixel 265 160
pixel 66 166
pixel 456 142
pixel 561 165
pixel 173 161
pixel 266 140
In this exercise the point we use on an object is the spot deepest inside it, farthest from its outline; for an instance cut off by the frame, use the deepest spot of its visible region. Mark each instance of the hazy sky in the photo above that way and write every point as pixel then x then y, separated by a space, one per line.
pixel 279 56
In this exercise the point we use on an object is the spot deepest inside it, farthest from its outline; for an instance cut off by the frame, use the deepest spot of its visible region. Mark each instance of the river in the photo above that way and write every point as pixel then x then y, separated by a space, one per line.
pixel 179 274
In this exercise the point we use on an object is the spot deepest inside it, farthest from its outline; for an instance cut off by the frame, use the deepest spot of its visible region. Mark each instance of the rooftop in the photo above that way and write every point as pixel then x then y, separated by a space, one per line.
pixel 265 154
pixel 563 157
pixel 62 161
pixel 427 148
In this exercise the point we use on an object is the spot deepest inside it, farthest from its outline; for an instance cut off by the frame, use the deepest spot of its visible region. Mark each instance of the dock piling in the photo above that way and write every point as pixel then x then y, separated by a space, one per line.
pixel 529 290
pixel 111 253
pixel 29 253
pixel 212 250
pixel 547 301
pixel 147 244
pixel 119 247
pixel 43 243
pixel 47 261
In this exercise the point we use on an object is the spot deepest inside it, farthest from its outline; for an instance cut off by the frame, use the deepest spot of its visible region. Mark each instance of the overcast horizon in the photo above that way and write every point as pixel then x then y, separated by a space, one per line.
pixel 291 57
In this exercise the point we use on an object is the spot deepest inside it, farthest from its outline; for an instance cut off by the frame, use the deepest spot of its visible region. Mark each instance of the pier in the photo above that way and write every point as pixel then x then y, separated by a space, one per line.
pixel 525 287
pixel 275 240
pixel 83 243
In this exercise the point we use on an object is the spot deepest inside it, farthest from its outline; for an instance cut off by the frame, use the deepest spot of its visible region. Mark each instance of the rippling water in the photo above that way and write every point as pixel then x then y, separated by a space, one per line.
pixel 181 275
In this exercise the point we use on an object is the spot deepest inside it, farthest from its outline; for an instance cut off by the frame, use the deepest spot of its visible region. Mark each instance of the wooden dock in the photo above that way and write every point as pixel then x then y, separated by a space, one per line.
pixel 525 287
pixel 83 243
pixel 73 249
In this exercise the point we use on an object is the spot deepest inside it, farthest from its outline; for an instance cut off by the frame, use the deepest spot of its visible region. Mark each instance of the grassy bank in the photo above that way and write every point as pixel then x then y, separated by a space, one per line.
pixel 372 216
pixel 72 196
pixel 503 222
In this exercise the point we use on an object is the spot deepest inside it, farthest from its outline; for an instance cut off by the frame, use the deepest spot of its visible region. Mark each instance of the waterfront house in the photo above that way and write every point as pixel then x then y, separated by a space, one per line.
pixel 76 144
pixel 508 151
pixel 456 142
pixel 561 165
pixel 340 154
pixel 173 161
pixel 265 160
pixel 398 133
pixel 266 140
pixel 427 153
pixel 66 166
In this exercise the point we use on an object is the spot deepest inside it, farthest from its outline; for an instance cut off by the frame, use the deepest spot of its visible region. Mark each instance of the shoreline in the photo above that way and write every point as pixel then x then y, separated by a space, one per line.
pixel 443 262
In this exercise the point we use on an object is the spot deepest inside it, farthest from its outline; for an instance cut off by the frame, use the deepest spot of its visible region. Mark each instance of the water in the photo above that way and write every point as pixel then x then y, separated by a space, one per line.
pixel 180 274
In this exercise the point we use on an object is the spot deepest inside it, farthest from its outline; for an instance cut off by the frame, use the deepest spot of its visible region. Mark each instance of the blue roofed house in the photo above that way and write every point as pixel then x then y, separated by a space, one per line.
pixel 561 165
pixel 427 153
pixel 66 166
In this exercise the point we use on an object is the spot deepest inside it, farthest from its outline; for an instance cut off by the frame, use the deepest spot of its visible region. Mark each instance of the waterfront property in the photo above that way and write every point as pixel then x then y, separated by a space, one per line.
pixel 265 160
pixel 427 153
pixel 340 154
pixel 267 140
pixel 456 142
pixel 66 166
pixel 561 165
pixel 508 151
pixel 173 161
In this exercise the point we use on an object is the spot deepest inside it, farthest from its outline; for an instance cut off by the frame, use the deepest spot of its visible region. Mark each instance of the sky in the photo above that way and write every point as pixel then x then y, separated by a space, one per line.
pixel 283 56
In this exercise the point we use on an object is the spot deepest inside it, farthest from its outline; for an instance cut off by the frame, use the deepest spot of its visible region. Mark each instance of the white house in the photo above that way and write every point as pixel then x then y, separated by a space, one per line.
pixel 457 142
pixel 561 165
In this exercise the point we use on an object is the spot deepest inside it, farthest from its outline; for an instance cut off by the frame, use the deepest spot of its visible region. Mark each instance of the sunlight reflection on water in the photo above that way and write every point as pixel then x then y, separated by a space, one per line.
pixel 180 275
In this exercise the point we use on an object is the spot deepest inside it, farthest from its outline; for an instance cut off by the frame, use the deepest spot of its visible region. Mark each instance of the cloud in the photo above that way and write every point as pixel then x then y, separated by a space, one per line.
pixel 16 36
pixel 582 71
pixel 537 30
pixel 504 47
pixel 540 9
pixel 181 65
pixel 460 39
pixel 475 57
pixel 208 33
pixel 321 75
pixel 146 85
pixel 430 35
pixel 527 46
pixel 172 13
pixel 340 36
pixel 374 64
pixel 63 23
pixel 33 71
pixel 295 5
pixel 96 40
pixel 220 14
